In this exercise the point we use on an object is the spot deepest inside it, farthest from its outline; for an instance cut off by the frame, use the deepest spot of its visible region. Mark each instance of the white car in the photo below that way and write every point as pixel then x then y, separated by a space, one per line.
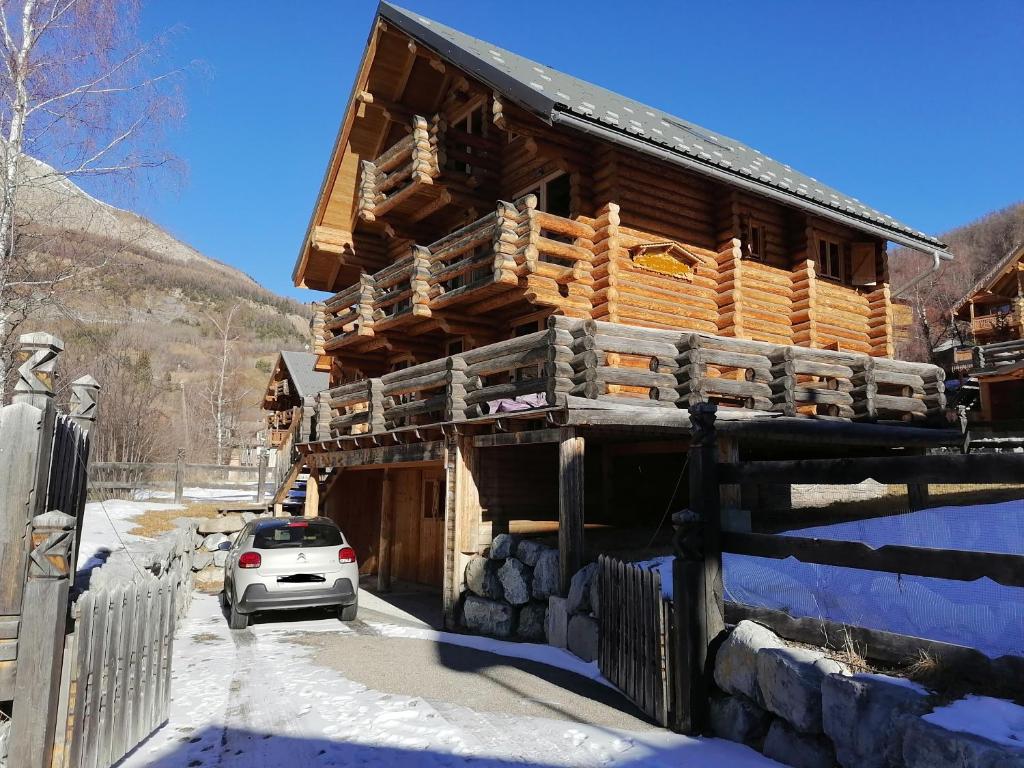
pixel 290 562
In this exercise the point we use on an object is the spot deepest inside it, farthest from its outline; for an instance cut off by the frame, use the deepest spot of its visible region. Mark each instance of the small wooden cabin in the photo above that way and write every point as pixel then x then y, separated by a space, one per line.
pixel 522 264
pixel 292 380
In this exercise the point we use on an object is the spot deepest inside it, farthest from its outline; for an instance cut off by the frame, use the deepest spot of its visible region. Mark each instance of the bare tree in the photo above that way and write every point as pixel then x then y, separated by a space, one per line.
pixel 223 394
pixel 76 101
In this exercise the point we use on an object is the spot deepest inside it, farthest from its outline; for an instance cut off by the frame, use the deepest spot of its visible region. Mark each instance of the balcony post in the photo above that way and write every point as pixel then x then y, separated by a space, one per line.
pixel 506 242
pixel 424 167
pixel 420 281
pixel 364 321
pixel 455 389
pixel 367 190
pixel 375 406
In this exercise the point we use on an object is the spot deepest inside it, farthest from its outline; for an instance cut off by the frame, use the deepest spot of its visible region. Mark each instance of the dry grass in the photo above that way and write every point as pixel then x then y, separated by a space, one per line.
pixel 849 654
pixel 152 523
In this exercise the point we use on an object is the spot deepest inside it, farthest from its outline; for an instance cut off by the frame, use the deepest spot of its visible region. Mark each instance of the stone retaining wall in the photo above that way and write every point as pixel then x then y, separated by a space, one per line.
pixel 211 533
pixel 512 591
pixel 803 709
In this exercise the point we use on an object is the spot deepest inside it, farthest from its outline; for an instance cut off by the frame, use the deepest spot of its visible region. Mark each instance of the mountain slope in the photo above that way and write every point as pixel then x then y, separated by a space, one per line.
pixel 977 246
pixel 140 311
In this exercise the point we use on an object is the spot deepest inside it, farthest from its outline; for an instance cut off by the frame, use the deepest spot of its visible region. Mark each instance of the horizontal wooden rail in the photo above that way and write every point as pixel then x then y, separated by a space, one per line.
pixel 942 468
pixel 958 565
pixel 888 648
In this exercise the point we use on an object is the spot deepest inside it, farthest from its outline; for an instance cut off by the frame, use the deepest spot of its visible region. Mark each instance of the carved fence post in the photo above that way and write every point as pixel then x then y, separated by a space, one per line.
pixel 41 640
pixel 697 578
pixel 38 356
pixel 84 393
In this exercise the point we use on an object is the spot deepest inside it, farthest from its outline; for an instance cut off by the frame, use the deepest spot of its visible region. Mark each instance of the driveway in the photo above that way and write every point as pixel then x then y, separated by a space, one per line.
pixel 386 690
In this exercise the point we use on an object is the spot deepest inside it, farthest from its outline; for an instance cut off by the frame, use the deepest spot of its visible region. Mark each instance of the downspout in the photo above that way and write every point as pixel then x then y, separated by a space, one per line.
pixel 937 258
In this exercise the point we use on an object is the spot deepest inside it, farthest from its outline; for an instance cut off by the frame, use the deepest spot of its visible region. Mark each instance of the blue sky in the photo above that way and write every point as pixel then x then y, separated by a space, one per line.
pixel 916 108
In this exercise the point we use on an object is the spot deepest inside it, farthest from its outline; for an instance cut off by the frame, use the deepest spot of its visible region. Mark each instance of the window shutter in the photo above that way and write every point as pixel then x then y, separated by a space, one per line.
pixel 864 264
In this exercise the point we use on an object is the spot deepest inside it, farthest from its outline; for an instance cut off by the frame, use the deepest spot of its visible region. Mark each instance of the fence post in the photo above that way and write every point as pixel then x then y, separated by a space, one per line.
pixel 697 578
pixel 41 640
pixel 179 476
pixel 261 475
pixel 84 392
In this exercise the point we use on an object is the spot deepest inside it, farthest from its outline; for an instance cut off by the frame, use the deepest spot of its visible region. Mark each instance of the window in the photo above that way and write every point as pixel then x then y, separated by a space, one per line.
pixel 554 194
pixel 433 509
pixel 830 259
pixel 286 535
pixel 473 124
pixel 454 347
pixel 754 246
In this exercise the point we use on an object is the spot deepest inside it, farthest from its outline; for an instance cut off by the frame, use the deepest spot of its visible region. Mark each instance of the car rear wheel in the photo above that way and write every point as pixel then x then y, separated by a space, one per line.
pixel 237 620
pixel 348 612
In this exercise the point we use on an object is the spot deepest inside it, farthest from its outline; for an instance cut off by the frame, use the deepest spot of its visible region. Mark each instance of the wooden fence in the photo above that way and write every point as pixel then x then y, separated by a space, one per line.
pixel 117 664
pixel 635 636
pixel 112 478
pixel 700 610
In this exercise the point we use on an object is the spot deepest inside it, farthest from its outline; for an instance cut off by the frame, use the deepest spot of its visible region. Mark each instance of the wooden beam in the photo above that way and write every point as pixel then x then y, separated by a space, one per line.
pixel 387 534
pixel 312 505
pixel 370 457
pixel 570 504
pixel 528 437
pixel 886 647
pixel 955 564
pixel 734 517
pixel 941 468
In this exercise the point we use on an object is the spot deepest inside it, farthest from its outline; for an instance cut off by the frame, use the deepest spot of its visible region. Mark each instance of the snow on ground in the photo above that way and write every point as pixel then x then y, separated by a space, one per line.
pixel 981 614
pixel 253 698
pixel 107 523
pixel 241 492
pixel 994 719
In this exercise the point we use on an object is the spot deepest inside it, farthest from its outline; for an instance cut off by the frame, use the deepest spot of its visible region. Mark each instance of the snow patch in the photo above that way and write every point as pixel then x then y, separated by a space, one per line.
pixel 997 720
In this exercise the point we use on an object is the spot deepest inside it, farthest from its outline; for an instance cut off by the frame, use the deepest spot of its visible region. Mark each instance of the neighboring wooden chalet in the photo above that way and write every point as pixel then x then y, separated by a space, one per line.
pixel 993 310
pixel 292 380
pixel 994 307
pixel 533 278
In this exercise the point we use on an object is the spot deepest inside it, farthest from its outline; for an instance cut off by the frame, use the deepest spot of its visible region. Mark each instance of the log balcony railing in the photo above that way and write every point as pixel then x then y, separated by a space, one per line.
pixel 406 180
pixel 1008 321
pixel 1002 354
pixel 576 361
pixel 515 245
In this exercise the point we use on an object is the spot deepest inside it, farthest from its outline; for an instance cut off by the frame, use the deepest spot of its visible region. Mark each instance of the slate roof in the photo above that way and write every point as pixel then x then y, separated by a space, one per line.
pixel 300 369
pixel 561 98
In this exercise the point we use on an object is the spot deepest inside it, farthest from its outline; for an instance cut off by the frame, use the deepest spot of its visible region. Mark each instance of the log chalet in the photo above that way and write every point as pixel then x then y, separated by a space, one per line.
pixel 532 278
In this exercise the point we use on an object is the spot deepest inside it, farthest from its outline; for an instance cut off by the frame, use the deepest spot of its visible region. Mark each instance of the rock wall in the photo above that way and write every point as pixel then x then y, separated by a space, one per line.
pixel 211 534
pixel 805 710
pixel 506 589
pixel 512 591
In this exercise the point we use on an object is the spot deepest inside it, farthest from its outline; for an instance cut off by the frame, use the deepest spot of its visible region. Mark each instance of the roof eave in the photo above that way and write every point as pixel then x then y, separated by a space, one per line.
pixel 637 143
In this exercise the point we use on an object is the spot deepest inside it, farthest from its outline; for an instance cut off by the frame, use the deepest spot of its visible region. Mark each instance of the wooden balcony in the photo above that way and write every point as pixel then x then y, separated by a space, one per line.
pixel 997 324
pixel 424 171
pixel 588 364
pixel 516 246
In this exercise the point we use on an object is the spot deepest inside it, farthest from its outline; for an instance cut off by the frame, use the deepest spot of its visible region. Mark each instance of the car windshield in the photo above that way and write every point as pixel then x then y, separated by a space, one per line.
pixel 297 535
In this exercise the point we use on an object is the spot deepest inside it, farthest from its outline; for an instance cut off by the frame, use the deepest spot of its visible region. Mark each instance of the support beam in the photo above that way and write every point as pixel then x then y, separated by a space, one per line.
pixel 312 507
pixel 734 517
pixel 570 505
pixel 462 518
pixel 387 534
